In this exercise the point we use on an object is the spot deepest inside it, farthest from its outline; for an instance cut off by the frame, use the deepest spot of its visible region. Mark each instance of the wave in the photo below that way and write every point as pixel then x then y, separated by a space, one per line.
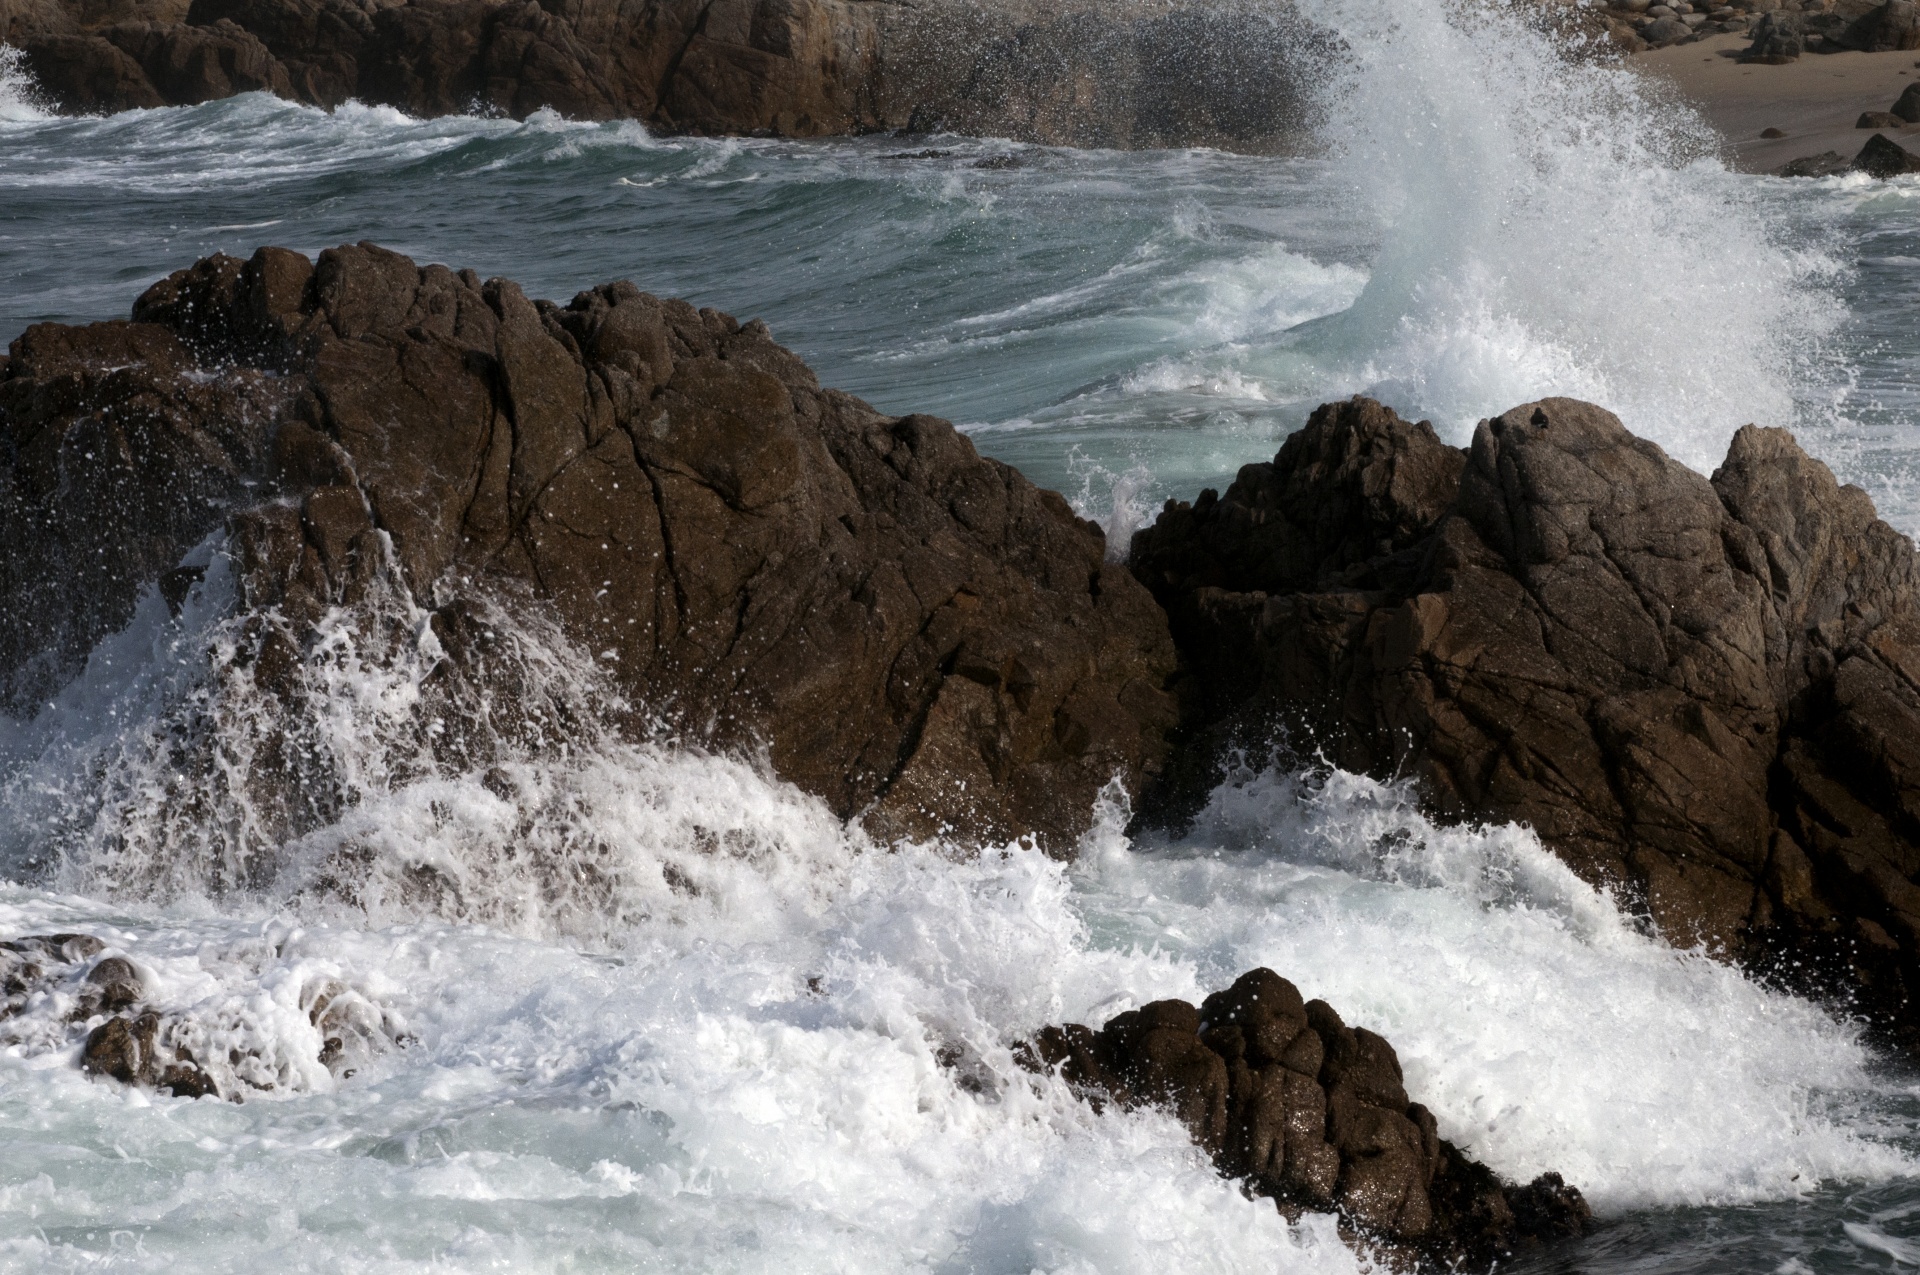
pixel 533 903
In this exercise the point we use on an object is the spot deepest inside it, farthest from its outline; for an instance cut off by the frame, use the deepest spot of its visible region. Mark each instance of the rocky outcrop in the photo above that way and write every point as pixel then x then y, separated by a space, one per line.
pixel 1107 73
pixel 1706 692
pixel 1313 1114
pixel 916 634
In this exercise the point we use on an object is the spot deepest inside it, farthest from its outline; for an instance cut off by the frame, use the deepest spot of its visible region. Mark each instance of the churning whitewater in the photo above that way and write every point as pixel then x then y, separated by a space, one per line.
pixel 591 1004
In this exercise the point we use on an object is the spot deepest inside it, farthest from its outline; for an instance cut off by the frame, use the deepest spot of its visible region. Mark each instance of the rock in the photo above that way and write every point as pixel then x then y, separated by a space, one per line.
pixel 1708 691
pixel 1891 26
pixel 1825 164
pixel 134 1050
pixel 1664 31
pixel 33 963
pixel 1879 119
pixel 87 74
pixel 1104 73
pixel 912 632
pixel 1908 107
pixel 1777 36
pixel 1312 1114
pixel 1883 157
pixel 1772 132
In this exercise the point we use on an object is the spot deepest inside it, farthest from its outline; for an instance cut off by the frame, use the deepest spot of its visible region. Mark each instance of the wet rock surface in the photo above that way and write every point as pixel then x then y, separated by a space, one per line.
pixel 59 990
pixel 914 633
pixel 1706 692
pixel 1883 157
pixel 1107 73
pixel 1313 1114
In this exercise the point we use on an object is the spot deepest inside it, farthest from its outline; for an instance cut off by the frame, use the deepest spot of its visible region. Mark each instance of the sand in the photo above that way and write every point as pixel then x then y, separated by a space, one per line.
pixel 1814 100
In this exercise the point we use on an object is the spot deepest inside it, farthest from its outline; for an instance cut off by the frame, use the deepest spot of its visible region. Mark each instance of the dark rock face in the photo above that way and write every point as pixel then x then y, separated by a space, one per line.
pixel 1908 107
pixel 1891 26
pixel 1313 1114
pixel 1707 691
pixel 912 632
pixel 1109 73
pixel 1883 157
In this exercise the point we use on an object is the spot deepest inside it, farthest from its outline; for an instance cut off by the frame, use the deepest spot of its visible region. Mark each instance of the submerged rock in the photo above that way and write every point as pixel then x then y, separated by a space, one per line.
pixel 1102 73
pixel 912 632
pixel 1313 1114
pixel 1704 691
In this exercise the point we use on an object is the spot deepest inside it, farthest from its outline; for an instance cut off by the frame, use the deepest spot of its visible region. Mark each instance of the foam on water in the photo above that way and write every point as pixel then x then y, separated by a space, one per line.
pixel 635 1003
pixel 618 1005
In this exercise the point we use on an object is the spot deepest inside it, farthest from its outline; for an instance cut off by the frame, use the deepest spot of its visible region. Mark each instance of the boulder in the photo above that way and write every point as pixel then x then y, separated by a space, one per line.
pixel 1889 27
pixel 1313 1114
pixel 1777 37
pixel 1825 164
pixel 1908 107
pixel 1664 31
pixel 1879 119
pixel 1883 157
pixel 909 630
pixel 1706 693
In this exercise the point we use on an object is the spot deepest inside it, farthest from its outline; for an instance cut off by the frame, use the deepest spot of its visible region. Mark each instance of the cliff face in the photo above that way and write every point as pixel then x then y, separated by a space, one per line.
pixel 1103 74
pixel 916 634
pixel 1705 691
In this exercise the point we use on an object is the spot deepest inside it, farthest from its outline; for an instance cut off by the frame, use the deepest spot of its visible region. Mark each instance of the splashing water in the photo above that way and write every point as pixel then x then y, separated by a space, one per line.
pixel 19 96
pixel 1551 225
pixel 613 1004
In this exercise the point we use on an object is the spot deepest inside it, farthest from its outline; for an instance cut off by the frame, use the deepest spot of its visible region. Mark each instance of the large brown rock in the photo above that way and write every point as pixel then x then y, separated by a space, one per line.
pixel 1707 692
pixel 1105 73
pixel 913 632
pixel 1313 1114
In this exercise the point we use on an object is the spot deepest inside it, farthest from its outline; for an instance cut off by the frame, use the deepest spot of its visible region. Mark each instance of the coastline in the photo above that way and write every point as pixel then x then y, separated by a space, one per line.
pixel 1814 99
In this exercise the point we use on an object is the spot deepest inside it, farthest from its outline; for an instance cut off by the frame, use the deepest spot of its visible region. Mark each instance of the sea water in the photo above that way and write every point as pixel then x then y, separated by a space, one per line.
pixel 661 1011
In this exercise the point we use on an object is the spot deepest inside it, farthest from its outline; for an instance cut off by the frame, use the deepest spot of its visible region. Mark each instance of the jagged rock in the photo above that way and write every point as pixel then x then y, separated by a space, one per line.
pixel 1883 157
pixel 1104 73
pixel 1707 691
pixel 914 633
pixel 1313 1114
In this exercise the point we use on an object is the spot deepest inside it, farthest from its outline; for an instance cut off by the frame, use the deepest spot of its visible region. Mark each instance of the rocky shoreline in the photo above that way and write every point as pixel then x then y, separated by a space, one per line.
pixel 1702 693
pixel 1108 73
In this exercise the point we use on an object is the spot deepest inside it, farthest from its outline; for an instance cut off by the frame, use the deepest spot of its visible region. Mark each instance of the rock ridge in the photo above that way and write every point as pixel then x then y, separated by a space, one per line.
pixel 1313 1114
pixel 1705 692
pixel 912 632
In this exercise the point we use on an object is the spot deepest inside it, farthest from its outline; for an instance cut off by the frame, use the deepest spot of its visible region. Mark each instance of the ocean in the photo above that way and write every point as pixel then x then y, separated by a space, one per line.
pixel 751 1071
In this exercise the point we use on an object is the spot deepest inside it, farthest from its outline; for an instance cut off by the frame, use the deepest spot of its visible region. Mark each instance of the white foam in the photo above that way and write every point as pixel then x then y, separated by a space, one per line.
pixel 19 95
pixel 1540 226
pixel 1542 1027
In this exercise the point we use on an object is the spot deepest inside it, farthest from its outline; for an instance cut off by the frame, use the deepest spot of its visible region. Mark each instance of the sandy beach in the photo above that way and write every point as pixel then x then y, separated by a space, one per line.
pixel 1814 100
